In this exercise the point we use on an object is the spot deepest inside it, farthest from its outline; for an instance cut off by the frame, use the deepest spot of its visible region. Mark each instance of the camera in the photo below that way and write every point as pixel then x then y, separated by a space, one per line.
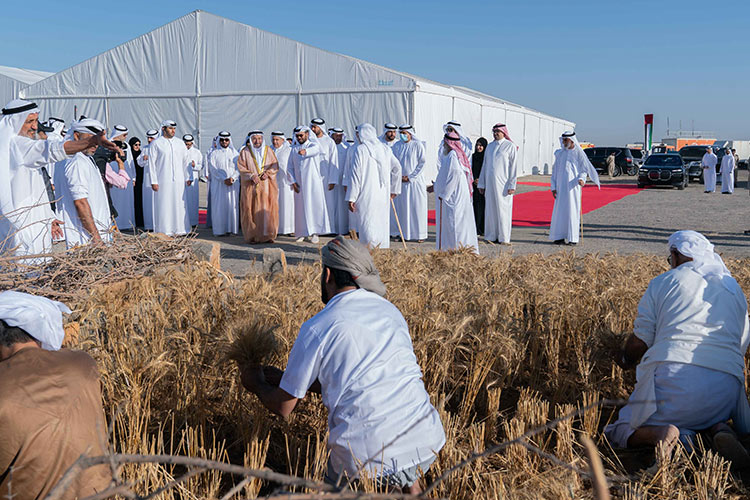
pixel 109 156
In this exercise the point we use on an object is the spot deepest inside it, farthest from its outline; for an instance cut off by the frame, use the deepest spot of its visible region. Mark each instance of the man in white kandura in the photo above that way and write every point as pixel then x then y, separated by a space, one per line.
pixel 83 198
pixel 329 168
pixel 453 186
pixel 169 172
pixel 411 204
pixel 311 217
pixel 708 163
pixel 147 191
pixel 282 150
pixel 689 343
pixel 342 209
pixel 195 164
pixel 123 198
pixel 223 176
pixel 569 173
pixel 372 186
pixel 346 179
pixel 389 135
pixel 357 353
pixel 497 183
pixel 30 230
pixel 727 172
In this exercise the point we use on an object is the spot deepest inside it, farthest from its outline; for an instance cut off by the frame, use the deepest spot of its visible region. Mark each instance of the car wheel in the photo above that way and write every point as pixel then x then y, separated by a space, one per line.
pixel 632 170
pixel 701 179
pixel 681 186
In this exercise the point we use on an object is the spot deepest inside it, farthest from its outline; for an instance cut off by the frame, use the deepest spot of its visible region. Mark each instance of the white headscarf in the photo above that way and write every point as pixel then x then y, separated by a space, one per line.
pixel 579 156
pixel 388 127
pixel 58 126
pixel 707 263
pixel 408 128
pixel 375 147
pixel 86 126
pixel 166 123
pixel 257 152
pixel 302 128
pixel 40 317
pixel 225 135
pixel 118 130
pixel 466 143
pixel 10 125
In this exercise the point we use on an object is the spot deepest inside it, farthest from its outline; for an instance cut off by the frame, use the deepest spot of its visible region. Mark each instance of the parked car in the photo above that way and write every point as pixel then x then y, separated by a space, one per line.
pixel 692 156
pixel 663 170
pixel 624 162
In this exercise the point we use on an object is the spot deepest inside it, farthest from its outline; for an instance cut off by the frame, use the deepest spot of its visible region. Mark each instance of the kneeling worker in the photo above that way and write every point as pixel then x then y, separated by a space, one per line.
pixel 358 354
pixel 50 403
pixel 691 335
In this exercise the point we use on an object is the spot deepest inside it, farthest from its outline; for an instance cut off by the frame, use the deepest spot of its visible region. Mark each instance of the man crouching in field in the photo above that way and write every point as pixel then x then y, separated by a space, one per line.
pixel 50 403
pixel 691 335
pixel 357 353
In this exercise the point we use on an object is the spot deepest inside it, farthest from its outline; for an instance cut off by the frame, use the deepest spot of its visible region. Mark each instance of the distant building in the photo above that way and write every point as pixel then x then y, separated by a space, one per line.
pixel 694 138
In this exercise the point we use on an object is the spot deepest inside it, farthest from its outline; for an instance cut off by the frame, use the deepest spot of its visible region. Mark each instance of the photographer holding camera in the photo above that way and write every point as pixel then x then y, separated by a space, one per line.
pixel 103 157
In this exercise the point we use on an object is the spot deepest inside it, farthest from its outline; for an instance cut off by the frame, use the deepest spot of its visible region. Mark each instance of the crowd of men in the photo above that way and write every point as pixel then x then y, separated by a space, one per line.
pixel 689 342
pixel 314 183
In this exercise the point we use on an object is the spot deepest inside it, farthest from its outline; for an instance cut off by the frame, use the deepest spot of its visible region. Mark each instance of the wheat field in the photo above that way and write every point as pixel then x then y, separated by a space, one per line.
pixel 505 344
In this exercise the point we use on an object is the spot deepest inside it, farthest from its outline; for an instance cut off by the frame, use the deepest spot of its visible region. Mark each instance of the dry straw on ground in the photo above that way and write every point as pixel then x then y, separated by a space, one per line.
pixel 505 344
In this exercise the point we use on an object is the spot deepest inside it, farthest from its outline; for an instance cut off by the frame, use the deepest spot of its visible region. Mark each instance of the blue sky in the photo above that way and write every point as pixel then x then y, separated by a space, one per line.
pixel 602 64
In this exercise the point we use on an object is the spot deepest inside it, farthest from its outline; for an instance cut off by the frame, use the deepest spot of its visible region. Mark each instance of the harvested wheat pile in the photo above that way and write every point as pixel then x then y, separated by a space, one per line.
pixel 505 344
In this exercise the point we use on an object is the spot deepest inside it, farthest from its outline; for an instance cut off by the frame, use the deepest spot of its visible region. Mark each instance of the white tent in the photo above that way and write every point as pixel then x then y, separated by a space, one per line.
pixel 12 80
pixel 209 73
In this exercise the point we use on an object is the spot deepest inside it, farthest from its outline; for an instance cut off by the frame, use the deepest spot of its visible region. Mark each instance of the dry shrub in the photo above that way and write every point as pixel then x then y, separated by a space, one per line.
pixel 502 342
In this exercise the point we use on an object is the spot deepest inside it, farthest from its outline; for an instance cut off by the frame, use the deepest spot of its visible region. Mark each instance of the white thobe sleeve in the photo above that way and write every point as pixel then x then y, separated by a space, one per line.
pixel 645 323
pixel 482 182
pixel 552 180
pixel 313 149
pixel 332 176
pixel 356 176
pixel 189 167
pixel 77 182
pixel 153 157
pixel 36 154
pixel 303 366
pixel 421 160
pixel 236 170
pixel 512 168
pixel 291 163
pixel 395 172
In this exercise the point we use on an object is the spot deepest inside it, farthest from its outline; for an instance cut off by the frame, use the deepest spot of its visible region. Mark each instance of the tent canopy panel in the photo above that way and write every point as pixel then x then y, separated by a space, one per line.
pixel 469 115
pixel 531 145
pixel 139 115
pixel 163 61
pixel 241 114
pixel 349 110
pixel 431 111
pixel 66 109
pixel 238 58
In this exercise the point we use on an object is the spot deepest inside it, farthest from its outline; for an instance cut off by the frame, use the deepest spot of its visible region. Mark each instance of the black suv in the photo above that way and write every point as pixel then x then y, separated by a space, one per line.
pixel 663 169
pixel 623 159
pixel 693 156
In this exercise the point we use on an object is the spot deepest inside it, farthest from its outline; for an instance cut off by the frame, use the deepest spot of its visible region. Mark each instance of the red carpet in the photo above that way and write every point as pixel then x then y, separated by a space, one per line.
pixel 534 208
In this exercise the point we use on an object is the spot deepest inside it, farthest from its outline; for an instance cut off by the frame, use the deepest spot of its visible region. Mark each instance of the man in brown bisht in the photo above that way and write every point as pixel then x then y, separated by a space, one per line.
pixel 50 403
pixel 259 195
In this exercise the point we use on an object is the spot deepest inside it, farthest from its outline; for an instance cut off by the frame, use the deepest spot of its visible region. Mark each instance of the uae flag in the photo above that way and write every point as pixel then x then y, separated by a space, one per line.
pixel 648 131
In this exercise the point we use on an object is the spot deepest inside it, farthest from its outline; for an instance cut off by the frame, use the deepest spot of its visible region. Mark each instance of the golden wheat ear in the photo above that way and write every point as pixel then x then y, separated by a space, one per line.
pixel 254 342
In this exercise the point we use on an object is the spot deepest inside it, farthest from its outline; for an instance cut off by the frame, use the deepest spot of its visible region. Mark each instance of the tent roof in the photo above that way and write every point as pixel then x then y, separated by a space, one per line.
pixel 27 76
pixel 189 57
